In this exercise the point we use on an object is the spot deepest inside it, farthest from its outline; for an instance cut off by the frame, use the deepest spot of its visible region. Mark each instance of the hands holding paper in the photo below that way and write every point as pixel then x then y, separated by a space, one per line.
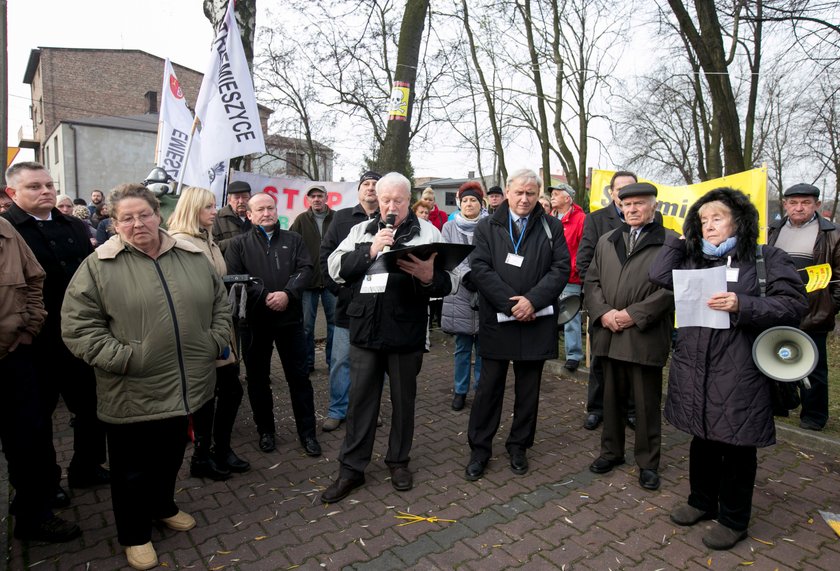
pixel 523 310
pixel 423 270
pixel 724 301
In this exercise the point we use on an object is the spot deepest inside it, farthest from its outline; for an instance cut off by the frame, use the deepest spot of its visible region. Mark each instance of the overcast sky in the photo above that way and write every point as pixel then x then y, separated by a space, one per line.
pixel 177 29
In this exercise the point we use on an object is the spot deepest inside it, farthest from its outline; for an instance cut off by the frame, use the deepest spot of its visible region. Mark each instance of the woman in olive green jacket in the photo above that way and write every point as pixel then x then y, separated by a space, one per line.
pixel 151 316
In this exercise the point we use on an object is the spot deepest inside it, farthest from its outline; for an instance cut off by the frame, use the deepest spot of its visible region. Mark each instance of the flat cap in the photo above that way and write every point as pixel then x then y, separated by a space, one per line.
pixel 315 188
pixel 564 187
pixel 802 189
pixel 495 190
pixel 238 186
pixel 637 189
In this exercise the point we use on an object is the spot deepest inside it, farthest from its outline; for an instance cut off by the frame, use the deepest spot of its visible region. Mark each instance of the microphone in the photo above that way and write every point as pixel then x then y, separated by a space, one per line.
pixel 389 223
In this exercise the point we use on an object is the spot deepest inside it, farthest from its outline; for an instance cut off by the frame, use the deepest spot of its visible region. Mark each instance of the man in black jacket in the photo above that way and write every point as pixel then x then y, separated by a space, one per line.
pixel 388 320
pixel 279 260
pixel 597 223
pixel 520 265
pixel 312 225
pixel 811 240
pixel 60 243
pixel 343 221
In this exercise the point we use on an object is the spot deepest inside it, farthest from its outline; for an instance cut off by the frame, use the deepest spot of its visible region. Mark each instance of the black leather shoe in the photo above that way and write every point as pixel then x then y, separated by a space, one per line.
pixel 649 479
pixel 206 467
pixel 475 470
pixel 458 401
pixel 53 530
pixel 61 498
pixel 341 488
pixel 267 443
pixel 631 422
pixel 311 446
pixel 88 478
pixel 401 478
pixel 603 465
pixel 233 462
pixel 592 421
pixel 571 365
pixel 518 462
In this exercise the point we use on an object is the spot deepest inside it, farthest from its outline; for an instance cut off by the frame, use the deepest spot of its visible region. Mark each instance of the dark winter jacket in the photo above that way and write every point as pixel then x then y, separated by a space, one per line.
pixel 715 390
pixel 228 226
pixel 618 281
pixel 342 222
pixel 60 246
pixel 541 279
pixel 282 265
pixel 396 319
pixel 823 304
pixel 307 227
pixel 596 224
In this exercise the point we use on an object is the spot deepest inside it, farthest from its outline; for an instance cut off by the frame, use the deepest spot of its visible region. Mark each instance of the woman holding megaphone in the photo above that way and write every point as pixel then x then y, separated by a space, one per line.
pixel 716 392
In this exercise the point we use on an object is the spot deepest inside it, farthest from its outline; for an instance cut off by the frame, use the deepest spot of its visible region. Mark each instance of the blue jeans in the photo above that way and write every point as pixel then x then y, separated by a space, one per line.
pixel 571 330
pixel 310 313
pixel 339 374
pixel 463 356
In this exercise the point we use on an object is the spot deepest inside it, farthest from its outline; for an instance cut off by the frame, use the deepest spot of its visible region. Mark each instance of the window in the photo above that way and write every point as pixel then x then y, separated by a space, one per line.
pixel 294 163
pixel 55 150
pixel 450 199
pixel 46 155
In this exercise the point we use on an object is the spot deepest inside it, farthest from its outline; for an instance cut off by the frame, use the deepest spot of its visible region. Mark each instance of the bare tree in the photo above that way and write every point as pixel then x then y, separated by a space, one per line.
pixel 823 135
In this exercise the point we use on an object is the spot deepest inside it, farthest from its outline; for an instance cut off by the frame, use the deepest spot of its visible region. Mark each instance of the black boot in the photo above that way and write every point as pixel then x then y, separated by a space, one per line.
pixel 202 464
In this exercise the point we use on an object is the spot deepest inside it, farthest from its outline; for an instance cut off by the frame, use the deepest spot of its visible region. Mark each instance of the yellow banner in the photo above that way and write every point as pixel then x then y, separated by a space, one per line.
pixel 818 277
pixel 674 201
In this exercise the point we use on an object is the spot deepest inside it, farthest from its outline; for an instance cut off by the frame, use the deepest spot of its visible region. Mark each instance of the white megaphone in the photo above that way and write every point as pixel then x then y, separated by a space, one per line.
pixel 567 308
pixel 785 354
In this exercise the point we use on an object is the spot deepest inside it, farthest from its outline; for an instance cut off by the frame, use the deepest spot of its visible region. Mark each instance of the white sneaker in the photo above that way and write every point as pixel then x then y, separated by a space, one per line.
pixel 141 556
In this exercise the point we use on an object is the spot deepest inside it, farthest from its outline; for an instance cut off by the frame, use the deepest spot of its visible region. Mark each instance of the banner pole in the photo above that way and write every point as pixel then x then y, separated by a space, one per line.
pixel 186 158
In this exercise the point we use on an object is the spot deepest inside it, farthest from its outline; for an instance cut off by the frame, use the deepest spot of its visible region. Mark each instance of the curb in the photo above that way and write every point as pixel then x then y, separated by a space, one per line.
pixel 797 437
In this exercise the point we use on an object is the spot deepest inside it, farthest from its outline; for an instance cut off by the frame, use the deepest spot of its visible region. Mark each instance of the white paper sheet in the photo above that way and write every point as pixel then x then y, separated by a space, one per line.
pixel 692 290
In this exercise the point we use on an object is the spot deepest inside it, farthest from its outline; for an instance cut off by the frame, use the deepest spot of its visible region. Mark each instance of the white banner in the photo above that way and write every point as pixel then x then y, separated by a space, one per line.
pixel 290 193
pixel 227 106
pixel 174 128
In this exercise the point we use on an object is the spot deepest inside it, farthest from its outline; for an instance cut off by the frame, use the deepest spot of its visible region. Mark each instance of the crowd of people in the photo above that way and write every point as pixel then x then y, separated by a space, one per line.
pixel 145 339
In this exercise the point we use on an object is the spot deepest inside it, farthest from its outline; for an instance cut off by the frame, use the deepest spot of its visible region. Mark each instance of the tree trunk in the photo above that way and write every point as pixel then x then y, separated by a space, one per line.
pixel 393 155
pixel 542 128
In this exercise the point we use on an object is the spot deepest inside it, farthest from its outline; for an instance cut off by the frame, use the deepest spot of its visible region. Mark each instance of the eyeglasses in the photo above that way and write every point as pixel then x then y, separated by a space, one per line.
pixel 144 219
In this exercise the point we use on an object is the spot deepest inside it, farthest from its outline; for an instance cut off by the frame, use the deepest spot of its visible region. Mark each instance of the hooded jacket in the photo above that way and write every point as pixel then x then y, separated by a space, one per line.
pixel 715 390
pixel 541 278
pixel 151 328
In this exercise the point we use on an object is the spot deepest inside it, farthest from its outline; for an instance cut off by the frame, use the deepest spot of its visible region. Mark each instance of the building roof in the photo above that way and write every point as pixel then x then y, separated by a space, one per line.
pixel 281 142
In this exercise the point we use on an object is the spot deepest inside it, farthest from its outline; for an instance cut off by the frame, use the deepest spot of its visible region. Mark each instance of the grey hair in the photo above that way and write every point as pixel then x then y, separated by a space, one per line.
pixel 394 179
pixel 524 175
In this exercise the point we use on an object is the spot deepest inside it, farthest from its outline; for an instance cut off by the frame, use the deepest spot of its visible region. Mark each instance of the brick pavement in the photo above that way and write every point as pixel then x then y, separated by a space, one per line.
pixel 558 516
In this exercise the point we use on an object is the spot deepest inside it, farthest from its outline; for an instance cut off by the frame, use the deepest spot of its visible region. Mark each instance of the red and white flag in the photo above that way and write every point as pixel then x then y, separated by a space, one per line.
pixel 227 106
pixel 176 121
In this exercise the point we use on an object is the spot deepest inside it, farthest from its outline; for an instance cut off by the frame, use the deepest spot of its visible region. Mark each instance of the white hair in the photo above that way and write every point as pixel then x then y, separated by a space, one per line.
pixel 394 179
pixel 524 175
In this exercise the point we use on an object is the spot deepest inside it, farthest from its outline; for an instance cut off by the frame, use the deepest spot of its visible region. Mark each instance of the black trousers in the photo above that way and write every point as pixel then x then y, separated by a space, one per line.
pixel 486 413
pixel 60 373
pixel 258 344
pixel 645 383
pixel 214 420
pixel 722 478
pixel 815 399
pixel 595 390
pixel 367 375
pixel 26 438
pixel 145 459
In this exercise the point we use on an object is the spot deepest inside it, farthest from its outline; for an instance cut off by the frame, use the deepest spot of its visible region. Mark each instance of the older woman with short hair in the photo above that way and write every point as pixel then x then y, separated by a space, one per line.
pixel 192 221
pixel 716 392
pixel 150 315
pixel 64 204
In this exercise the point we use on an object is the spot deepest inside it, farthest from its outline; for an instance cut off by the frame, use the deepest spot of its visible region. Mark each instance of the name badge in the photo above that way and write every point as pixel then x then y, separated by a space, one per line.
pixel 732 274
pixel 514 260
pixel 374 283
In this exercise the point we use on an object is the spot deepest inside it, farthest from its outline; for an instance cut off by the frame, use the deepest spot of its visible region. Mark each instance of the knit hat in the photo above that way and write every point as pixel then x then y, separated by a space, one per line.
pixel 369 175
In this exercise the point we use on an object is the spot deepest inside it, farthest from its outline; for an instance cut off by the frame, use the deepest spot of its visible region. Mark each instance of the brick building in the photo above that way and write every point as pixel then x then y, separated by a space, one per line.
pixel 95 113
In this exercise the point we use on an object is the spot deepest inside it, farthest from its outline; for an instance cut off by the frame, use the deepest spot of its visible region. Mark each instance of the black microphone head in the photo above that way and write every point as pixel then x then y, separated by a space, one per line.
pixel 390 219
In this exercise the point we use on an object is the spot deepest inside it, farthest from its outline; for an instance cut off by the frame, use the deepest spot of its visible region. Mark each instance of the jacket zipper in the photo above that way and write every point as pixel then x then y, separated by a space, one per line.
pixel 181 367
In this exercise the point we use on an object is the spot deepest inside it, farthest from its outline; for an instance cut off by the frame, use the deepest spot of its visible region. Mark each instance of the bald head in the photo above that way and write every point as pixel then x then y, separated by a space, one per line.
pixel 262 211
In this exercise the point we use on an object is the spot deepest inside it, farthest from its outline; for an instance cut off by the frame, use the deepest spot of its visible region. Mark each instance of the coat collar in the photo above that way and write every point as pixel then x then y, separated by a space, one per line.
pixel 825 225
pixel 19 216
pixel 116 245
pixel 411 223
pixel 502 214
pixel 653 235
